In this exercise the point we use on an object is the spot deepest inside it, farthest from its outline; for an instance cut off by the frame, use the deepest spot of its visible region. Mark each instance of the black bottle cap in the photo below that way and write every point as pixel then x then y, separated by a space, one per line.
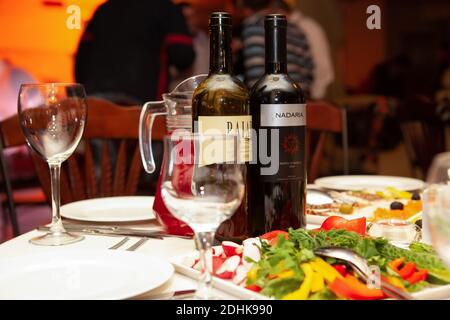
pixel 220 18
pixel 276 20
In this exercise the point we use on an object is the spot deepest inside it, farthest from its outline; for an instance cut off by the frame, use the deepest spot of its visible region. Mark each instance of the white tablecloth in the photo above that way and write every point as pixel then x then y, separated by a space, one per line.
pixel 164 249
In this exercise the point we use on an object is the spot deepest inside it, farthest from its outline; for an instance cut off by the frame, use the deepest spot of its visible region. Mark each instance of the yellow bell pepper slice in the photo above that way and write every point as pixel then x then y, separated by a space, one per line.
pixel 396 282
pixel 251 275
pixel 399 194
pixel 303 292
pixel 286 274
pixel 318 282
pixel 325 269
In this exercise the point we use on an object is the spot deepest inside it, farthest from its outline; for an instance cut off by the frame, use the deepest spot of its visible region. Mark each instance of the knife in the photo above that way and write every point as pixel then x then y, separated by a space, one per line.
pixel 115 231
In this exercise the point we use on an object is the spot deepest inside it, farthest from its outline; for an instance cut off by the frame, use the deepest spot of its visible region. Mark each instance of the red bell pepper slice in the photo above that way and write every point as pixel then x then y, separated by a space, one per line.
pixel 351 288
pixel 418 276
pixel 408 270
pixel 253 287
pixel 341 268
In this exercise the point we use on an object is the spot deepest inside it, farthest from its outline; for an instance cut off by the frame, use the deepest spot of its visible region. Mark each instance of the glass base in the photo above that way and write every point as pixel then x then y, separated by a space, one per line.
pixel 56 239
pixel 212 297
pixel 191 296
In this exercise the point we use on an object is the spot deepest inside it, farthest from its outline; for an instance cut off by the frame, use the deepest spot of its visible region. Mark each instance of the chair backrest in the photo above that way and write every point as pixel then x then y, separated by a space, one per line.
pixel 324 118
pixel 10 135
pixel 423 132
pixel 423 142
pixel 107 161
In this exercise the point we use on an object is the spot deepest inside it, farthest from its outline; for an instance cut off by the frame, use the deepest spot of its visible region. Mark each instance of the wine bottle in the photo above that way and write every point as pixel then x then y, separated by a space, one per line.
pixel 221 104
pixel 278 109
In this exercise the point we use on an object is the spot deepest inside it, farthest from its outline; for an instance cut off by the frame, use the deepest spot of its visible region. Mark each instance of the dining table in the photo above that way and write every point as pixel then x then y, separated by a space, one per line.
pixel 161 248
pixel 165 249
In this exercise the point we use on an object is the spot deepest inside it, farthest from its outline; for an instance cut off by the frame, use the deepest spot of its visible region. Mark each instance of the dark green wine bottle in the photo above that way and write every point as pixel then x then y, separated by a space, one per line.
pixel 221 103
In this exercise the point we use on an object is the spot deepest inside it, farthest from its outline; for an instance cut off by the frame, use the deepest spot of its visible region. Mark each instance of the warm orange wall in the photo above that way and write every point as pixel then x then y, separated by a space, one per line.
pixel 363 48
pixel 34 36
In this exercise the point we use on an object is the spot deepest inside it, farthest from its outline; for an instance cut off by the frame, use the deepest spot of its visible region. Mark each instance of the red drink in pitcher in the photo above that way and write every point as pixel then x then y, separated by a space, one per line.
pixel 176 107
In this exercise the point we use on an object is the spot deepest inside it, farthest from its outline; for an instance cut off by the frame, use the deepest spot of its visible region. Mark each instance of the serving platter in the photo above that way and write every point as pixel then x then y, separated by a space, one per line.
pixel 322 203
pixel 180 264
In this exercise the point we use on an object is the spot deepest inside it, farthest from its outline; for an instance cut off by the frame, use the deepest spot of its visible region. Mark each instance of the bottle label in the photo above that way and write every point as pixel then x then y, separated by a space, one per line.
pixel 283 115
pixel 282 136
pixel 235 125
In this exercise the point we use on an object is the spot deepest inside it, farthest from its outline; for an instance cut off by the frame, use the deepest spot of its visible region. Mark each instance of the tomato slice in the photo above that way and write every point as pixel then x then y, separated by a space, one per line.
pixel 274 235
pixel 333 222
pixel 357 225
pixel 336 222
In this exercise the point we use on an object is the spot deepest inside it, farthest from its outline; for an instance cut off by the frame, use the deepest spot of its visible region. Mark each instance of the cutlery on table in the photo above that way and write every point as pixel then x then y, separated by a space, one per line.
pixel 361 267
pixel 116 231
pixel 137 244
pixel 119 244
pixel 107 232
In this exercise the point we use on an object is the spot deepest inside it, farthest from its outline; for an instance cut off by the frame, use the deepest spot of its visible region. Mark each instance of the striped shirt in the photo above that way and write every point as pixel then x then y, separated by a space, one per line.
pixel 300 63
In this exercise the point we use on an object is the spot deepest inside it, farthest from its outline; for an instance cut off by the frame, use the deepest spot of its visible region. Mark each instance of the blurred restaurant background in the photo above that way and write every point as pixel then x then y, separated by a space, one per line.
pixel 394 82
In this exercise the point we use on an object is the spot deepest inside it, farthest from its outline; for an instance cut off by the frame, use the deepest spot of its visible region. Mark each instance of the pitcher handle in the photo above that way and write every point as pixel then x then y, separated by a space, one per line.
pixel 149 111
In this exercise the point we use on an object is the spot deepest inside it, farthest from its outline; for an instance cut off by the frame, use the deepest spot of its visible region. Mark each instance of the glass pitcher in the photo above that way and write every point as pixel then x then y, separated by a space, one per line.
pixel 176 106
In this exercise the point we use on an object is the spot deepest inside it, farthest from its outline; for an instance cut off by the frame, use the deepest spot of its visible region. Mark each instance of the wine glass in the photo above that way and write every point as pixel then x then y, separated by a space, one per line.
pixel 52 118
pixel 436 219
pixel 202 186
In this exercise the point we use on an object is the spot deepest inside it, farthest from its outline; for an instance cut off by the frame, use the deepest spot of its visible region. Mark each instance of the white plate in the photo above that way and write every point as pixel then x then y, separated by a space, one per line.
pixel 75 274
pixel 355 183
pixel 357 213
pixel 112 209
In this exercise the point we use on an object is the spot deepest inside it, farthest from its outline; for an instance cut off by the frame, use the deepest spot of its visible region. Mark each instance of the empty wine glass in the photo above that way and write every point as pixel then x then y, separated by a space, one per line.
pixel 202 186
pixel 52 118
pixel 436 218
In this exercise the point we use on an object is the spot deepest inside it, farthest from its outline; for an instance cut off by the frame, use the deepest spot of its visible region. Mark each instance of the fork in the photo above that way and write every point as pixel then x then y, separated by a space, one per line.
pixel 137 244
pixel 120 243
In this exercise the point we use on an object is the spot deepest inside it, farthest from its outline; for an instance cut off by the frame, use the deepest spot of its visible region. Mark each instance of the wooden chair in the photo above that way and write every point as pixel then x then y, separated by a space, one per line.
pixel 119 167
pixel 11 136
pixel 81 177
pixel 324 118
pixel 423 132
pixel 8 191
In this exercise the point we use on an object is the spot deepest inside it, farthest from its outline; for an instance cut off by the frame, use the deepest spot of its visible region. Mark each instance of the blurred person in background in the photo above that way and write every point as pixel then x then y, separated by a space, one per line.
pixel 11 78
pixel 442 93
pixel 195 21
pixel 320 51
pixel 127 48
pixel 300 62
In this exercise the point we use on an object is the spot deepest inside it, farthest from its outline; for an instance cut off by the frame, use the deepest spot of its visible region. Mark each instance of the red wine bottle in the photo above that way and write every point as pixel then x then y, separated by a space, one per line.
pixel 277 194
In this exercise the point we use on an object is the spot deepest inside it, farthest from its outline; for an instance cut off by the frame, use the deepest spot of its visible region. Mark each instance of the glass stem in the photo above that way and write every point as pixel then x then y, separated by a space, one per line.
pixel 204 241
pixel 55 174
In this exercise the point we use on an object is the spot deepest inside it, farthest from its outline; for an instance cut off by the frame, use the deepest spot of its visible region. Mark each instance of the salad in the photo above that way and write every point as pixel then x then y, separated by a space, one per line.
pixel 282 264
